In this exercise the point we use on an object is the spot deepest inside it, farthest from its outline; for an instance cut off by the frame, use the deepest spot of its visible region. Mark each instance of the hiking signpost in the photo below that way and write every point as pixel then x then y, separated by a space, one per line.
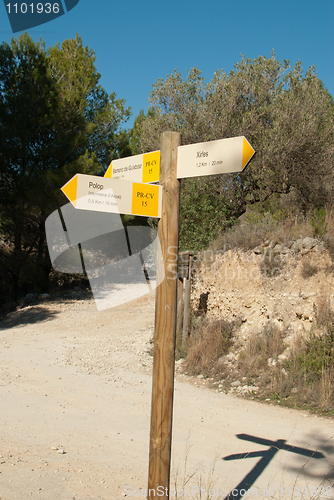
pixel 227 155
pixel 89 192
pixel 142 198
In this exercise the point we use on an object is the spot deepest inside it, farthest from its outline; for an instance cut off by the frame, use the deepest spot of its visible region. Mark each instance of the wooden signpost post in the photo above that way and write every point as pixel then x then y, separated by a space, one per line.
pixel 126 188
pixel 184 289
pixel 165 322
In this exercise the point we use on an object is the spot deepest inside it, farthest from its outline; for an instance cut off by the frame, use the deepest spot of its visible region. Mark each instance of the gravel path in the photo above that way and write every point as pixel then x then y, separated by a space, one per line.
pixel 75 390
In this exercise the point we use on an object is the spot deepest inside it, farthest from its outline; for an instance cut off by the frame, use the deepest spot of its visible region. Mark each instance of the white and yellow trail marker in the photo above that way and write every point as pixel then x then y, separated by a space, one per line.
pixel 143 168
pixel 214 157
pixel 204 158
pixel 89 192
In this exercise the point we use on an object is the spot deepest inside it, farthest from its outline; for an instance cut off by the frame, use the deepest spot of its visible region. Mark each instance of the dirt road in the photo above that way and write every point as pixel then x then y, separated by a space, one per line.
pixel 75 390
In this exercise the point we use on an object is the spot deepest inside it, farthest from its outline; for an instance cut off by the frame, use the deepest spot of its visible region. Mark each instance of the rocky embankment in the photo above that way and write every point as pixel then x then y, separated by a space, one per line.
pixel 286 284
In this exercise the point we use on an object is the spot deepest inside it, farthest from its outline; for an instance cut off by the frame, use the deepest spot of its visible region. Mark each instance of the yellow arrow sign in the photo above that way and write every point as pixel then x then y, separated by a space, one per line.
pixel 213 157
pixel 89 192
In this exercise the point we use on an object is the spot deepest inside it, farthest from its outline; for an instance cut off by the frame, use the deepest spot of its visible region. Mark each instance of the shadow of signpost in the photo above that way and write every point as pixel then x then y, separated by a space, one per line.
pixel 265 457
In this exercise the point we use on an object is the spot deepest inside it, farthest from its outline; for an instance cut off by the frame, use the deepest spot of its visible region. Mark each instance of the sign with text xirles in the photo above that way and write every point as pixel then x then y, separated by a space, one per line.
pixel 89 192
pixel 214 157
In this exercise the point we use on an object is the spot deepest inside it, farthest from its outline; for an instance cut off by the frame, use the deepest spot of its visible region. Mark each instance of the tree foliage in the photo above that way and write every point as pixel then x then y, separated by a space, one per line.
pixel 287 116
pixel 205 212
pixel 55 120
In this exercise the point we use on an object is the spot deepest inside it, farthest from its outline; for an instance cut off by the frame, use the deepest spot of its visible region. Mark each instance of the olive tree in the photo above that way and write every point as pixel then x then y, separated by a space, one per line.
pixel 286 114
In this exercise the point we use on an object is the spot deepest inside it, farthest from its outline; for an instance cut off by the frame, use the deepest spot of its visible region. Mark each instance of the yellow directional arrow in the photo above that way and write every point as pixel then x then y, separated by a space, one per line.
pixel 70 189
pixel 247 153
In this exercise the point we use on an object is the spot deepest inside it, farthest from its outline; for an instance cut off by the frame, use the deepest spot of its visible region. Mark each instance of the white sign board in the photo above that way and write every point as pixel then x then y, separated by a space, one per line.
pixel 213 157
pixel 139 168
pixel 89 192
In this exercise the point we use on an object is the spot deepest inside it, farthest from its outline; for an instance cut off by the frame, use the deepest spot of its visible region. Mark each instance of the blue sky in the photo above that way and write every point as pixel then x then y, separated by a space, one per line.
pixel 136 42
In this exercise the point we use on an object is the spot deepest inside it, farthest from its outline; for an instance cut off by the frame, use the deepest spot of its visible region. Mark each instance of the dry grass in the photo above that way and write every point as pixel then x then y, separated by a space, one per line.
pixel 251 233
pixel 209 341
pixel 306 378
pixel 330 221
pixel 278 225
pixel 311 364
pixel 326 393
pixel 322 308
pixel 265 345
pixel 244 236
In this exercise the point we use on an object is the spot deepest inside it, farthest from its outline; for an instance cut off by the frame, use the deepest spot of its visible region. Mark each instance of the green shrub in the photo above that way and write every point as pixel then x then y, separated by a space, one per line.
pixel 311 369
pixel 316 355
pixel 319 222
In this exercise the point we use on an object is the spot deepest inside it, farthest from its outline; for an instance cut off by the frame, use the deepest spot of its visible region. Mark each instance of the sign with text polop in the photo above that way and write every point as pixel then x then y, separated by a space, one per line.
pixel 89 192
